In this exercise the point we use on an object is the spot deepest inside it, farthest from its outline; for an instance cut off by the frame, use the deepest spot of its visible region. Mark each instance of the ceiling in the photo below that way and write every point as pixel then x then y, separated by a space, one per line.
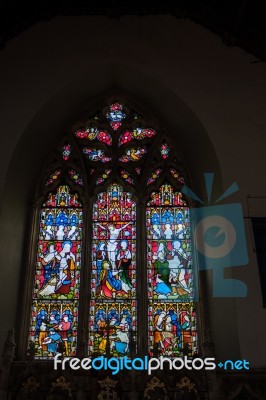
pixel 239 23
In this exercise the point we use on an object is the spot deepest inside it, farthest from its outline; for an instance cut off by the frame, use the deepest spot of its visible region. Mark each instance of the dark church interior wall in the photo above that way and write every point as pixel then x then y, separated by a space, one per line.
pixel 211 98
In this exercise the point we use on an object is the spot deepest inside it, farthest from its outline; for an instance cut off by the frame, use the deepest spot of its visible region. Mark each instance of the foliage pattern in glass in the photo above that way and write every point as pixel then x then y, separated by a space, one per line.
pixel 53 177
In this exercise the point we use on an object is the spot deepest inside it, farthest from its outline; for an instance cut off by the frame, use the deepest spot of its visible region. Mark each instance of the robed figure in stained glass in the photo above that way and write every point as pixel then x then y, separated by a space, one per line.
pixel 113 283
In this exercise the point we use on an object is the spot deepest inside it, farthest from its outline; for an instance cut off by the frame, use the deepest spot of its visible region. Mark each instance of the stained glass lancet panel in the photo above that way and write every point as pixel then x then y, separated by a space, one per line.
pixel 54 312
pixel 113 283
pixel 171 282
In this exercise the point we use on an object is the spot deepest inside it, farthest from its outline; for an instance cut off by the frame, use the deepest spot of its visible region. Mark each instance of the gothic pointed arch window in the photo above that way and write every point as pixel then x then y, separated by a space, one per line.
pixel 114 242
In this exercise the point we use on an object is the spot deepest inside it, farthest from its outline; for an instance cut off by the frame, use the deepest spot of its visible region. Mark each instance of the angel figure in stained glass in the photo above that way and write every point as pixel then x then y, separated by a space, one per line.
pixel 73 222
pixel 61 222
pixel 179 232
pixel 168 233
pixel 156 232
pixel 47 232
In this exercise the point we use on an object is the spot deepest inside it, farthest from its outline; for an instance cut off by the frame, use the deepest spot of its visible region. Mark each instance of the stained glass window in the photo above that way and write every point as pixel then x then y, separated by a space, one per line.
pixel 122 165
pixel 96 154
pixel 93 133
pixel 138 134
pixel 103 176
pixel 115 115
pixel 57 275
pixel 175 174
pixel 171 291
pixel 164 150
pixel 66 151
pixel 155 175
pixel 113 281
pixel 53 177
pixel 75 177
pixel 126 176
pixel 133 154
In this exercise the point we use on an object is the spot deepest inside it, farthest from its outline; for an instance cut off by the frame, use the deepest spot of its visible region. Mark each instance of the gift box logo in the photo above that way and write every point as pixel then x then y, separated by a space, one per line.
pixel 218 239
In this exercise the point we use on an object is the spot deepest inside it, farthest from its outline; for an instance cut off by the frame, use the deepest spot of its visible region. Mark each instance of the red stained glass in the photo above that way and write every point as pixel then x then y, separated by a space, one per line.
pixel 166 196
pixel 115 115
pixel 66 151
pixel 138 134
pixel 62 198
pixel 93 133
pixel 164 150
